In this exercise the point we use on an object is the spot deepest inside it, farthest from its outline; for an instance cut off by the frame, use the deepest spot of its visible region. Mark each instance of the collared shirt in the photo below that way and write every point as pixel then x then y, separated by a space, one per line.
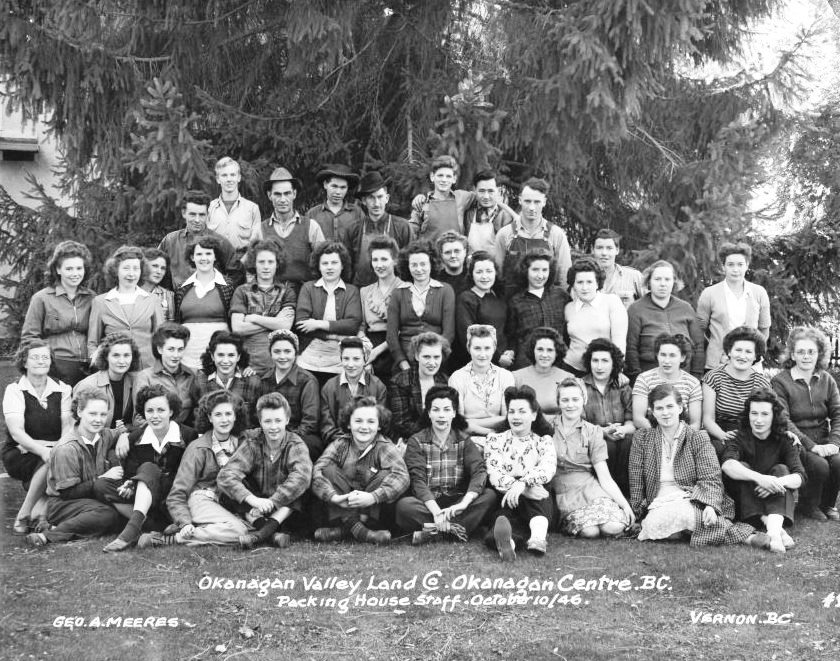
pixel 172 437
pixel 201 290
pixel 448 468
pixel 405 401
pixel 581 449
pixel 418 298
pixel 329 308
pixel 126 299
pixel 241 225
pixel 626 283
pixel 736 306
pixel 13 402
pixel 336 394
pixel 300 389
pixel 336 226
pixel 175 243
pixel 281 471
pixel 526 311
pixel 431 218
pixel 182 383
pixel 531 460
pixel 63 323
pixel 253 299
pixel 375 306
pixel 76 460
pixel 283 228
pixel 603 316
pixel 614 405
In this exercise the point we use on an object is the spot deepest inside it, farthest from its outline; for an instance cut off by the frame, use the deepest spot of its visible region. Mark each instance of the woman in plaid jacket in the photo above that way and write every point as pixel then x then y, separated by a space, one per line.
pixel 676 487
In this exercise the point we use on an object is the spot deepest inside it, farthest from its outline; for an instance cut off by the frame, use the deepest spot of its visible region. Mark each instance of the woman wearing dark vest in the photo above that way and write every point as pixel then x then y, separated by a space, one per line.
pixel 37 412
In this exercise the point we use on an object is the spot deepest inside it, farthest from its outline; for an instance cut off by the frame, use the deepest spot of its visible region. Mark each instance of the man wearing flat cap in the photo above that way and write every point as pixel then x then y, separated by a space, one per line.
pixel 373 192
pixel 296 234
pixel 337 214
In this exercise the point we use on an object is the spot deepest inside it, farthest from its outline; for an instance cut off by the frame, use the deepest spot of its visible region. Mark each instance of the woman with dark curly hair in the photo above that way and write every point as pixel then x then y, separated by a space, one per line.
pixel 60 312
pixel 127 307
pixel 202 303
pixel 224 366
pixel 328 310
pixel 358 473
pixel 545 351
pixel 537 302
pixel 726 388
pixel 591 313
pixel 673 354
pixel 676 488
pixel 481 303
pixel 199 511
pixel 117 362
pixel 264 305
pixel 608 405
pixel 764 468
pixel 149 466
pixel 158 280
pixel 420 304
pixel 812 400
pixel 37 413
pixel 382 256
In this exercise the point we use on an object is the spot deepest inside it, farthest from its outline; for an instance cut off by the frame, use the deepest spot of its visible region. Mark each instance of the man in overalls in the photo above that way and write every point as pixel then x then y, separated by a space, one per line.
pixel 531 232
pixel 296 234
pixel 485 217
pixel 336 215
pixel 373 192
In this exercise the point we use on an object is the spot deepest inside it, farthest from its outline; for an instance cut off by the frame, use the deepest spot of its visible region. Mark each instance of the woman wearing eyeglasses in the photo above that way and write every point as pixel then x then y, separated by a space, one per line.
pixel 811 397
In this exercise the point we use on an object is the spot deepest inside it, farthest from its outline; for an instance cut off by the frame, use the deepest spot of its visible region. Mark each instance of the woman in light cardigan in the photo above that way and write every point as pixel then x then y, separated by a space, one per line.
pixel 732 302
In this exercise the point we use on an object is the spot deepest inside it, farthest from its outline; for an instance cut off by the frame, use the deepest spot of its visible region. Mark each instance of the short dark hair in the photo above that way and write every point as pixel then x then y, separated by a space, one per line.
pixel 525 263
pixel 660 392
pixel 605 345
pixel 384 242
pixel 780 417
pixel 166 331
pixel 745 334
pixel 195 197
pixel 545 333
pixel 84 395
pixel 22 354
pixel 473 259
pixel 68 250
pixel 120 255
pixel 537 184
pixel 430 339
pixel 443 392
pixel 352 342
pixel 418 247
pixel 264 245
pixel 224 337
pixel 541 426
pixel 208 242
pixel 109 342
pixel 684 344
pixel 362 402
pixel 211 400
pixel 444 161
pixel 740 248
pixel 607 233
pixel 273 401
pixel 484 175
pixel 331 248
pixel 158 390
pixel 586 264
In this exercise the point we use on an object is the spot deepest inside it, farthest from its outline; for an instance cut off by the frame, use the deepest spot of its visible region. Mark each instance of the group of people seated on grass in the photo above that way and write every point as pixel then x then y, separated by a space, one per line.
pixel 293 385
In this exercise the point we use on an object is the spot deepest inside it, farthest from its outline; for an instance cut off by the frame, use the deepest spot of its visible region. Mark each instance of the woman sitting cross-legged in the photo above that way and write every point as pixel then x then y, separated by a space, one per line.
pixel 520 464
pixel 448 476
pixel 201 514
pixel 357 474
pixel 149 464
pixel 270 471
pixel 675 482
pixel 763 467
pixel 588 499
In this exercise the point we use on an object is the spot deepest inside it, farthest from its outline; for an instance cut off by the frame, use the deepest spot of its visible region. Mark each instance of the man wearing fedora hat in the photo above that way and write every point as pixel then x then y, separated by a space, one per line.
pixel 336 215
pixel 373 192
pixel 296 234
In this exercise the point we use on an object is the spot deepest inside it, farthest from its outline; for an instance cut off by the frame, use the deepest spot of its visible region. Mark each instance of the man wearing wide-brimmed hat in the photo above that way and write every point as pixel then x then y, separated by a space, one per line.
pixel 373 192
pixel 337 214
pixel 296 234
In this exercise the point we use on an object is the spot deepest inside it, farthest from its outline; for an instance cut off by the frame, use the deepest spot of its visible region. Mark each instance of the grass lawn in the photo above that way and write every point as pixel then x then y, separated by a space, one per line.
pixel 452 610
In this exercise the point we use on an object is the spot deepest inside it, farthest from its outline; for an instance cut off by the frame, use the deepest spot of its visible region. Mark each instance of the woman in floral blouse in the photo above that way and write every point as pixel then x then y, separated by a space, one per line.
pixel 520 465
